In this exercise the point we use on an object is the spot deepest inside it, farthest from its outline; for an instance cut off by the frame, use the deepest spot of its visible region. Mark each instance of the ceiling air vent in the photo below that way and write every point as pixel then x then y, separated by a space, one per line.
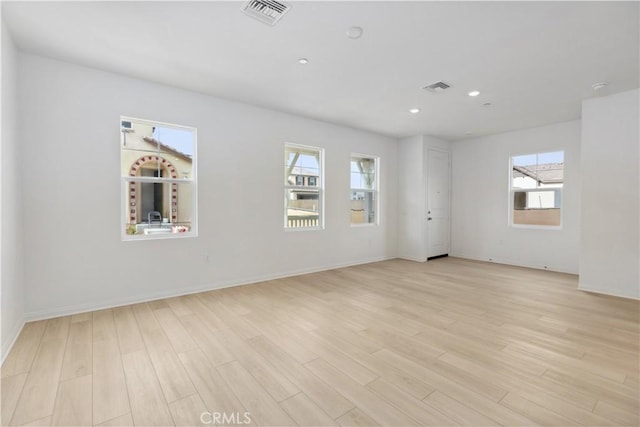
pixel 267 11
pixel 437 87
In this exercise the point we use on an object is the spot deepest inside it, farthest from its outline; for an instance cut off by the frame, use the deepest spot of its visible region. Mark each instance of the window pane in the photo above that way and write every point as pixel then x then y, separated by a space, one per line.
pixel 363 205
pixel 166 150
pixel 363 173
pixel 528 160
pixel 303 208
pixel 553 157
pixel 157 207
pixel 538 170
pixel 537 207
pixel 300 165
pixel 151 154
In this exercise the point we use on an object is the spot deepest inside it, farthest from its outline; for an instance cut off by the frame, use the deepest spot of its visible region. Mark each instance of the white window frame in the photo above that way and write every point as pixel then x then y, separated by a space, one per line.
pixel 319 187
pixel 513 190
pixel 375 191
pixel 192 180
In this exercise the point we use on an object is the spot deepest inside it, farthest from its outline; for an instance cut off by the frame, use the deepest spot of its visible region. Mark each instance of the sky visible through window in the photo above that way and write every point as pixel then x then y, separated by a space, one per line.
pixel 542 158
pixel 357 179
pixel 305 161
pixel 179 139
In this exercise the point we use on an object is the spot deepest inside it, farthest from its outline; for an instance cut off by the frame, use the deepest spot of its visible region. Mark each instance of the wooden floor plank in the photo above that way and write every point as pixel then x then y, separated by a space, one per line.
pixel 73 402
pixel 575 413
pixel 57 329
pixel 305 412
pixel 213 390
pixel 423 413
pixel 617 395
pixel 278 386
pixel 200 308
pixel 356 418
pixel 78 357
pixel 206 339
pixel 39 392
pixel 377 408
pixel 448 342
pixel 82 317
pixel 129 336
pixel 148 406
pixel 263 409
pixel 110 398
pixel 11 388
pixel 477 401
pixel 404 381
pixel 616 414
pixel 122 421
pixel 189 411
pixel 535 412
pixel 175 331
pixel 45 421
pixel 179 306
pixel 333 355
pixel 170 372
pixel 24 350
pixel 458 411
pixel 326 397
pixel 38 395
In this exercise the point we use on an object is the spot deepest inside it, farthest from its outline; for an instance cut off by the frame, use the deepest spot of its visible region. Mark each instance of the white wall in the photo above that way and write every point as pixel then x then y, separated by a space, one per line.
pixel 411 199
pixel 610 248
pixel 70 134
pixel 480 204
pixel 412 194
pixel 11 290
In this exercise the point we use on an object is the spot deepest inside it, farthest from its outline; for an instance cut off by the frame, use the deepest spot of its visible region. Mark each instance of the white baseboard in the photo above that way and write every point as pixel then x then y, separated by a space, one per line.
pixel 587 288
pixel 7 344
pixel 411 258
pixel 117 302
pixel 510 262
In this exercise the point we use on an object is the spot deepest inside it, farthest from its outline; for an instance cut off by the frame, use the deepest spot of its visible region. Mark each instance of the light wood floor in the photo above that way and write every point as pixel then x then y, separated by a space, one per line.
pixel 450 342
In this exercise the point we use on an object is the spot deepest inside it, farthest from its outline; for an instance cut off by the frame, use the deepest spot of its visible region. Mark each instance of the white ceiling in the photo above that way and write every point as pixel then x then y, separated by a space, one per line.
pixel 534 61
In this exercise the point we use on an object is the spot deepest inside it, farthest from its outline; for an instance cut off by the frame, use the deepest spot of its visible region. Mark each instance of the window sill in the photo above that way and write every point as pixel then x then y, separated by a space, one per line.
pixel 293 230
pixel 159 236
pixel 536 227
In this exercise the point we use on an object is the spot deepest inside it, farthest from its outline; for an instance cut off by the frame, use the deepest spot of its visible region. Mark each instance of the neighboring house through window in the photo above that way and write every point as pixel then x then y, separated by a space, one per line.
pixel 536 189
pixel 303 192
pixel 158 179
pixel 364 189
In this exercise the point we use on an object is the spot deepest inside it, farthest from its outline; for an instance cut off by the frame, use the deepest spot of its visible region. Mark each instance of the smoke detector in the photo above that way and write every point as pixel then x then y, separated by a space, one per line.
pixel 266 11
pixel 437 87
pixel 354 32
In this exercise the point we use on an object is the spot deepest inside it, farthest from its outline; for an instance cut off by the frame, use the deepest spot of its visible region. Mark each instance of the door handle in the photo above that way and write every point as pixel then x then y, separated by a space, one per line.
pixel 429 219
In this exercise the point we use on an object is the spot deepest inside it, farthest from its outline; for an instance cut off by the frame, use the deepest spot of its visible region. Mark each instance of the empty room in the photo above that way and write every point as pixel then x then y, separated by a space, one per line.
pixel 320 213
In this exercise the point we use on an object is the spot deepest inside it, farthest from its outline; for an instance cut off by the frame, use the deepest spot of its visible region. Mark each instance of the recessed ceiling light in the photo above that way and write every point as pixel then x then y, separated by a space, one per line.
pixel 474 93
pixel 599 85
pixel 414 110
pixel 354 32
pixel 303 61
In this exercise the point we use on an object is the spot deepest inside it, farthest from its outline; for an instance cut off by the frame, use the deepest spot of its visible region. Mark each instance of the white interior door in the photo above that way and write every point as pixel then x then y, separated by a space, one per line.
pixel 438 202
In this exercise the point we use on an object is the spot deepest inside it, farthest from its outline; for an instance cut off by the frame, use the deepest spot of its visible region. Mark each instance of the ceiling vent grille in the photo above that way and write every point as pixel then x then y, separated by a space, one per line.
pixel 266 11
pixel 437 87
